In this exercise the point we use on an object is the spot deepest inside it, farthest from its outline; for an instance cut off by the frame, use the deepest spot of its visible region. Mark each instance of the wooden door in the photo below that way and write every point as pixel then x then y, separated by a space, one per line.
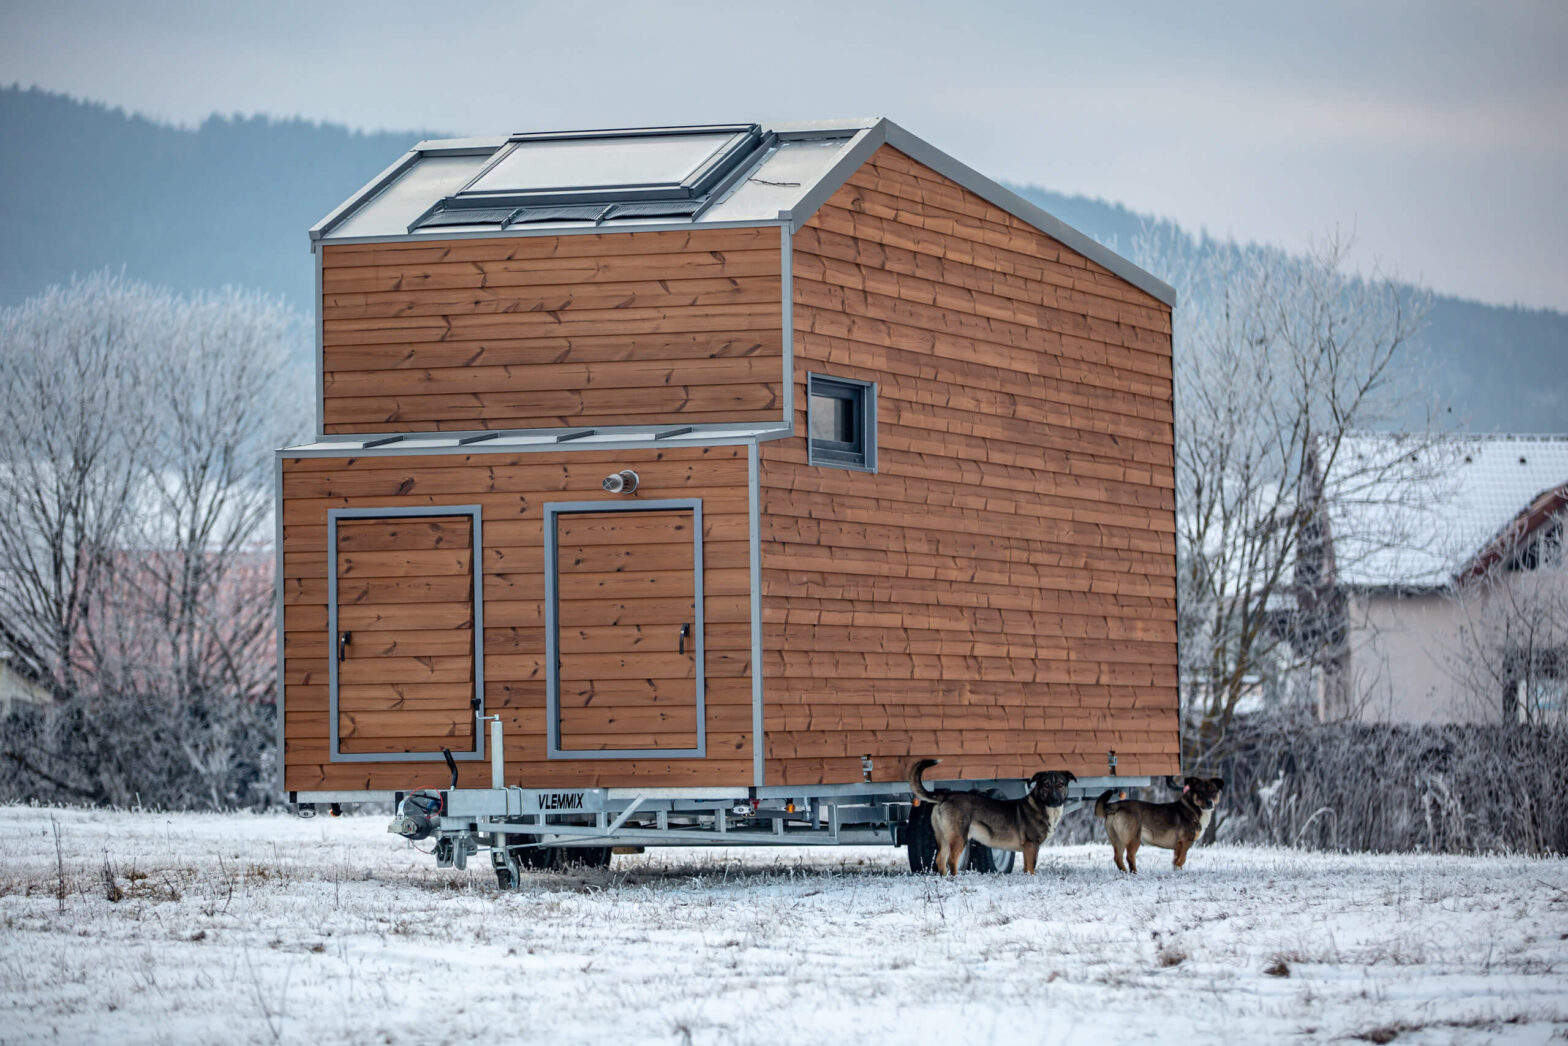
pixel 628 632
pixel 405 637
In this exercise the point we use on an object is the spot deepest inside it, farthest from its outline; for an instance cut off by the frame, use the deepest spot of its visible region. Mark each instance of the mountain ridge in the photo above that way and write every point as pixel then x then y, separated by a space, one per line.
pixel 87 186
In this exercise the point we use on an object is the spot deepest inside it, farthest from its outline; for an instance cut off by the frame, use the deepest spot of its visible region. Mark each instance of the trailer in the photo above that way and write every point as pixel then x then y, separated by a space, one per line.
pixel 679 485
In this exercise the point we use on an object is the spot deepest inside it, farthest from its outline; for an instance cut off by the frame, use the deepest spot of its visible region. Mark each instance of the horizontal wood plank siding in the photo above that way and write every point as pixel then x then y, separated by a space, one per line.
pixel 552 331
pixel 407 608
pixel 1001 593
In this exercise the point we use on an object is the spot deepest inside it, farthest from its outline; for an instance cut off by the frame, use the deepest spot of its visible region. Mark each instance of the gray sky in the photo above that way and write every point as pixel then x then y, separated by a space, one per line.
pixel 1435 130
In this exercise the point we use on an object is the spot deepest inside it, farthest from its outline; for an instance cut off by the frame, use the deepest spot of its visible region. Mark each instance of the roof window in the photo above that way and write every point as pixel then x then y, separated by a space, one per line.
pixel 652 172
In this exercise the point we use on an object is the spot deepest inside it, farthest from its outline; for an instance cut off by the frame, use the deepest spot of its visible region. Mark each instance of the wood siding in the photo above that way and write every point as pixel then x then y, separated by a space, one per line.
pixel 635 674
pixel 552 331
pixel 404 689
pixel 512 490
pixel 1001 593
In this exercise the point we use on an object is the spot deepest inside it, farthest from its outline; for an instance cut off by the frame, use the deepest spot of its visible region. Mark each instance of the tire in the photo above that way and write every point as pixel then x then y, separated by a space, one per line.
pixel 537 858
pixel 981 858
pixel 920 839
pixel 922 848
pixel 567 857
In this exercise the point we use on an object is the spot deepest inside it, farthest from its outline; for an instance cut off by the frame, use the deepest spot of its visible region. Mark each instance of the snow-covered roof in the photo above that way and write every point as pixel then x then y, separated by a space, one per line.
pixel 637 179
pixel 1455 499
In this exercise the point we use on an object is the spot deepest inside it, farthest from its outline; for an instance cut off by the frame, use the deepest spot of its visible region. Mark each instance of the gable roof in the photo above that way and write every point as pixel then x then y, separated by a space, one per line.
pixel 1448 511
pixel 797 167
pixel 1542 510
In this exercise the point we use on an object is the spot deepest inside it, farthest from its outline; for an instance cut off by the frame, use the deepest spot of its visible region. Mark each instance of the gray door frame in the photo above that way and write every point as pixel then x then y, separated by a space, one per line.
pixel 552 624
pixel 333 515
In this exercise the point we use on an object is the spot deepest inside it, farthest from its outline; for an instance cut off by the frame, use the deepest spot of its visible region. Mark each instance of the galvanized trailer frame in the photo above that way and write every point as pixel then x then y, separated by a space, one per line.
pixel 508 821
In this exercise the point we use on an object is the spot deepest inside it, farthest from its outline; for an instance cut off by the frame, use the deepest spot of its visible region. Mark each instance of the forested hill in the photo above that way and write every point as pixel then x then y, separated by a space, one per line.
pixel 86 187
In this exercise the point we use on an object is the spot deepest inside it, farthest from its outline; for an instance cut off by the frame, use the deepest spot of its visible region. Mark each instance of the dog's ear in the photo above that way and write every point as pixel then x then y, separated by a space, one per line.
pixel 1186 788
pixel 1070 775
pixel 1219 783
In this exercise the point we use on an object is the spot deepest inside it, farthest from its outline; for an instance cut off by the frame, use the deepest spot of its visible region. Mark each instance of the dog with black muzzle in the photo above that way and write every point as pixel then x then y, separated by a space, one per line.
pixel 1020 825
pixel 1171 826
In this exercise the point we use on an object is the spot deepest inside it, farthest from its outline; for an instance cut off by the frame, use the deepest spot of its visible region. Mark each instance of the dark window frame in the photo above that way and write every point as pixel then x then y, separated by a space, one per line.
pixel 859 454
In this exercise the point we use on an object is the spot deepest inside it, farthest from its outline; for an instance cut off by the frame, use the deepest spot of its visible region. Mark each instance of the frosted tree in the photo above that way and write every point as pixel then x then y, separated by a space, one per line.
pixel 137 509
pixel 1279 362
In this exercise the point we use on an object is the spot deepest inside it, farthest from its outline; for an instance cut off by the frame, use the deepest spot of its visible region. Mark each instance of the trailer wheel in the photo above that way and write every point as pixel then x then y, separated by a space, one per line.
pixel 982 858
pixel 921 840
pixel 581 857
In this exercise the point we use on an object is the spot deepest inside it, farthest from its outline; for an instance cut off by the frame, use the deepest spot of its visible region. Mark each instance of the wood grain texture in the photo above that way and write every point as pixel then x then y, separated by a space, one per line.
pixel 592 566
pixel 403 588
pixel 1001 593
pixel 377 654
pixel 612 329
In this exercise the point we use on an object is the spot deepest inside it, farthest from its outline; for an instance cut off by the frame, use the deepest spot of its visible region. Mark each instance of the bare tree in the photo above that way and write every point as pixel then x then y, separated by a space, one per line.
pixel 169 693
pixel 70 365
pixel 1280 361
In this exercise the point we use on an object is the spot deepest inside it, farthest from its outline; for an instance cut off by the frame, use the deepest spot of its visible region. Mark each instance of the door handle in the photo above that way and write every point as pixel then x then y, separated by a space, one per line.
pixel 685 631
pixel 344 639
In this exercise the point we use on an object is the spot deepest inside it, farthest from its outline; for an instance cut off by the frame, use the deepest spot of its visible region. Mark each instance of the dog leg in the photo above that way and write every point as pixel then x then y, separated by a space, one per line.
pixel 1132 853
pixel 1031 851
pixel 1116 851
pixel 1182 845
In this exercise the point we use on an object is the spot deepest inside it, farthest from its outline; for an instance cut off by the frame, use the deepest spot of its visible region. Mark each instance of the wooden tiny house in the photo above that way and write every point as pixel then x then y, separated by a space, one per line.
pixel 902 446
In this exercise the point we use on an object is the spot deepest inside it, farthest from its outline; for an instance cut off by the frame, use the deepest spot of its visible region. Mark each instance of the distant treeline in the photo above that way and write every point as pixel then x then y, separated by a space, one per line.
pixel 84 187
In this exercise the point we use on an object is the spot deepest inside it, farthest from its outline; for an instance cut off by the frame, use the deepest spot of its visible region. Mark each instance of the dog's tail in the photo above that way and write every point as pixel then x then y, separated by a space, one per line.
pixel 917 786
pixel 1102 806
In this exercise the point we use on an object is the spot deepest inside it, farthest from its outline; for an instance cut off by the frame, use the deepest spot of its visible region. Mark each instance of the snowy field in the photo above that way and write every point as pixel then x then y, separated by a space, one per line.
pixel 238 928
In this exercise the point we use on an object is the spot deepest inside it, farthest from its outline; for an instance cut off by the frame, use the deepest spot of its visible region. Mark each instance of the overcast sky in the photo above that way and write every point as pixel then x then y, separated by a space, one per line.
pixel 1436 130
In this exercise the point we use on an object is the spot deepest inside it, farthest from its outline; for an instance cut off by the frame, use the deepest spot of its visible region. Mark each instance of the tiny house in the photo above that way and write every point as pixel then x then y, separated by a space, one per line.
pixel 728 461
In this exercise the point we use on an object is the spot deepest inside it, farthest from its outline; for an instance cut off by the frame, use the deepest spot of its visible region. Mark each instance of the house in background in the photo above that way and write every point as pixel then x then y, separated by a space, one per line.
pixel 18 686
pixel 1459 616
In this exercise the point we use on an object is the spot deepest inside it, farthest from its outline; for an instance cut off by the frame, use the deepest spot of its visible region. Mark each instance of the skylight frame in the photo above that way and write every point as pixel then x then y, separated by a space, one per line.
pixel 743 140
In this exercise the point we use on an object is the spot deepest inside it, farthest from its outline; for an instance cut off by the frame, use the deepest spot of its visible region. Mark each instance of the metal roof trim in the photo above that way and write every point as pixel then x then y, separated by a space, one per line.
pixel 622 226
pixel 493 441
pixel 368 191
pixel 862 137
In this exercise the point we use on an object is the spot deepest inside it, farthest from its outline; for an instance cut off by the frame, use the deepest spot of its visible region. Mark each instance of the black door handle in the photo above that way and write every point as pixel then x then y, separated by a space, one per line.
pixel 685 631
pixel 344 639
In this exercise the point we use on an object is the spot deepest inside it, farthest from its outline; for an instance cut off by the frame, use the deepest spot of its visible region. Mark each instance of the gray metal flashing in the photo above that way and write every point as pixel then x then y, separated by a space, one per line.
pixel 333 515
pixel 546 229
pixel 754 514
pixel 787 331
pixel 278 623
pixel 366 192
pixel 641 437
pixel 320 327
pixel 924 152
pixel 552 636
pixel 850 159
pixel 460 146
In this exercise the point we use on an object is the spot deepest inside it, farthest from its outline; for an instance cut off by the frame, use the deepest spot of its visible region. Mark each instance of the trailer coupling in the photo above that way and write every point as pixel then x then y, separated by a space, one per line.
pixel 416 815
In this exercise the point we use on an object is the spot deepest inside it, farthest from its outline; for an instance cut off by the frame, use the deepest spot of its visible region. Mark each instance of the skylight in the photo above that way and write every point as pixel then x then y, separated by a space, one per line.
pixel 556 165
pixel 600 176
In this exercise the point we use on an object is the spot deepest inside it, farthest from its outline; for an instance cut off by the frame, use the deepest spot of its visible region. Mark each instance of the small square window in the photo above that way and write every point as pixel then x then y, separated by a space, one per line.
pixel 841 415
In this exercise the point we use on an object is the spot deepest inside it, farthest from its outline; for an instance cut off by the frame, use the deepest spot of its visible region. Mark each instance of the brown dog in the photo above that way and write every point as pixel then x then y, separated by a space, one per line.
pixel 1171 826
pixel 1020 825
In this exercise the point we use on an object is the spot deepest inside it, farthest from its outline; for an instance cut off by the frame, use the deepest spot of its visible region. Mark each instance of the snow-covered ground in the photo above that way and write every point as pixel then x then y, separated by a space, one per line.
pixel 244 928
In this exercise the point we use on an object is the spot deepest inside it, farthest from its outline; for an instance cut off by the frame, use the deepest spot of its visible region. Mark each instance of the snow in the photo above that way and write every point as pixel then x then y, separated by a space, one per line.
pixel 258 929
